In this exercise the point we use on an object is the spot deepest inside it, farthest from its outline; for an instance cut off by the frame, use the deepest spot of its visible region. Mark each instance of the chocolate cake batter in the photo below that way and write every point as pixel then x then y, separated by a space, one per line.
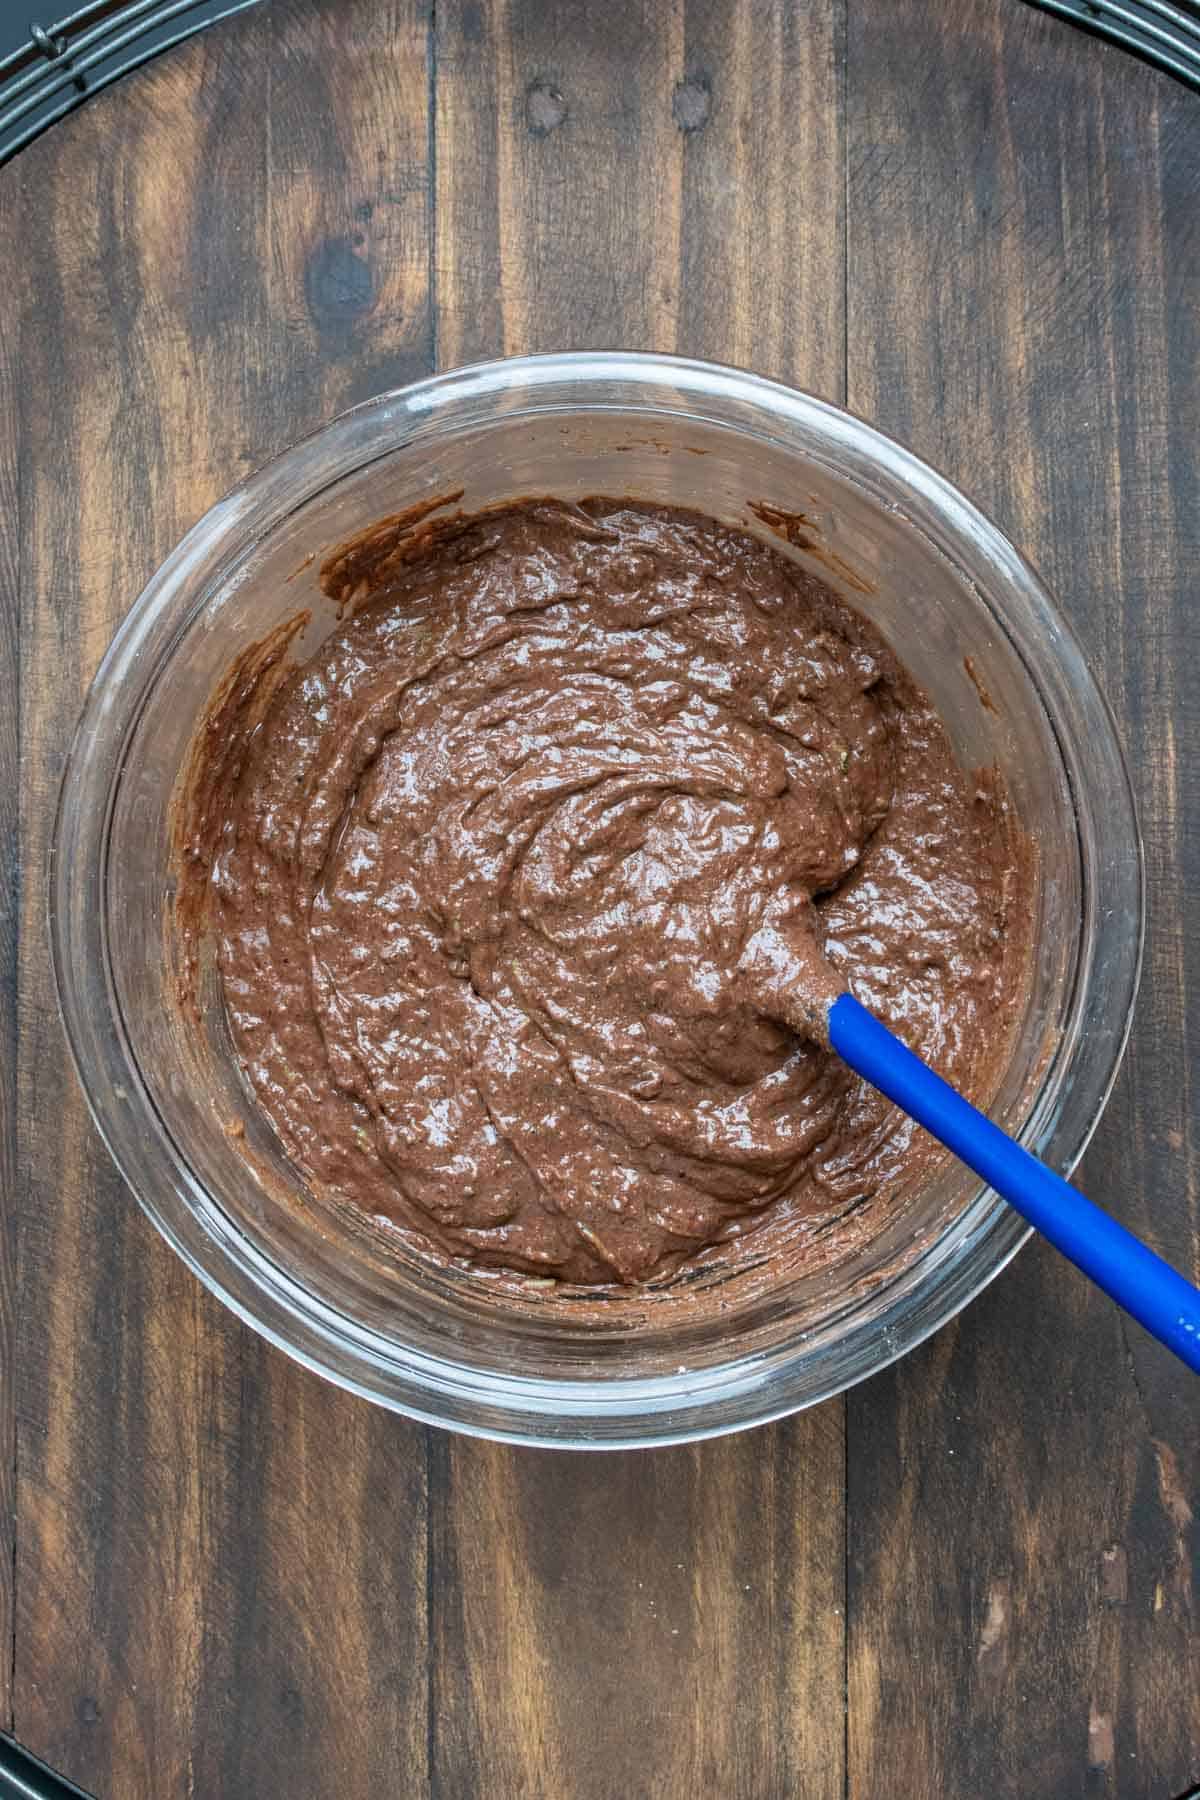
pixel 513 884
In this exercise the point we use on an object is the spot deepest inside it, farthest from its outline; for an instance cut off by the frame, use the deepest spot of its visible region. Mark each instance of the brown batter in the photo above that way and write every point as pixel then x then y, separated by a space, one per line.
pixel 503 879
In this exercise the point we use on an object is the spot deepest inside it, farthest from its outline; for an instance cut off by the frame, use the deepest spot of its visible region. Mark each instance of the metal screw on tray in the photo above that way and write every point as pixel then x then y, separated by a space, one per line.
pixel 54 49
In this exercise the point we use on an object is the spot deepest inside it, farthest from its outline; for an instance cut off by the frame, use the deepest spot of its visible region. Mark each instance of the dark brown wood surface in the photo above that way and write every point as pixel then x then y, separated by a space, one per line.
pixel 1024 261
pixel 977 1573
pixel 10 711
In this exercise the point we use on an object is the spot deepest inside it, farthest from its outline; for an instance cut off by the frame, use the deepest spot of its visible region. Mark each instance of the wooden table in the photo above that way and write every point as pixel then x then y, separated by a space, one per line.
pixel 974 1575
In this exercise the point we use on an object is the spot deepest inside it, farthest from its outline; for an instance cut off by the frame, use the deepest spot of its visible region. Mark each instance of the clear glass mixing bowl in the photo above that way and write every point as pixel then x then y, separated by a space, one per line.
pixel 963 610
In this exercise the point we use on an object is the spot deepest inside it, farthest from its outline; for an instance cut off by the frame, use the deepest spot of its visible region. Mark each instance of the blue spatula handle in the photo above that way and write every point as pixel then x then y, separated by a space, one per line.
pixel 1147 1287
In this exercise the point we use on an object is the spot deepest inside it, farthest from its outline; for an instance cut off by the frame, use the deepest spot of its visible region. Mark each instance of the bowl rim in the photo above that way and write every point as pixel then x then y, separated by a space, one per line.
pixel 551 1412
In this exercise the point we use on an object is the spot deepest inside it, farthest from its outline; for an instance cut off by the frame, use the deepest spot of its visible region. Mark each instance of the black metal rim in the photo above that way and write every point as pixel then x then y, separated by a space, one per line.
pixel 59 66
pixel 23 1777
pixel 1163 32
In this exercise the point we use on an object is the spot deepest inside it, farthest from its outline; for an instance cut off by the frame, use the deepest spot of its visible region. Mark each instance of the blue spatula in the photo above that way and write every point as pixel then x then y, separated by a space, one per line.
pixel 1127 1270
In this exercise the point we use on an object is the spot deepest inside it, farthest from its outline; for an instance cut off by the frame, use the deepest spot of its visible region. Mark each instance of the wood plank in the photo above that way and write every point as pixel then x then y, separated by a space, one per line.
pixel 759 102
pixel 665 1622
pixel 222 1560
pixel 10 688
pixel 1023 270
pixel 558 177
pixel 670 1623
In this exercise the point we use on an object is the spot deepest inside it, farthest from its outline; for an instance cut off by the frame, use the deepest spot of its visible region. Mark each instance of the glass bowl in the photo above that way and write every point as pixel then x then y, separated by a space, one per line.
pixel 963 610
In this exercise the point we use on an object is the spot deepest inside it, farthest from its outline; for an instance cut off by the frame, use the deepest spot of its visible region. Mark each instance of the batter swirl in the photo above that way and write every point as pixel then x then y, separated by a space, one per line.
pixel 484 885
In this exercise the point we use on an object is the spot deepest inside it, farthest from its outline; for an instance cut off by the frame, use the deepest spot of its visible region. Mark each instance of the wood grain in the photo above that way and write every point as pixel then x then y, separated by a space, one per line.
pixel 222 1564
pixel 1023 270
pixel 760 107
pixel 666 1623
pixel 558 177
pixel 10 720
pixel 674 1623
